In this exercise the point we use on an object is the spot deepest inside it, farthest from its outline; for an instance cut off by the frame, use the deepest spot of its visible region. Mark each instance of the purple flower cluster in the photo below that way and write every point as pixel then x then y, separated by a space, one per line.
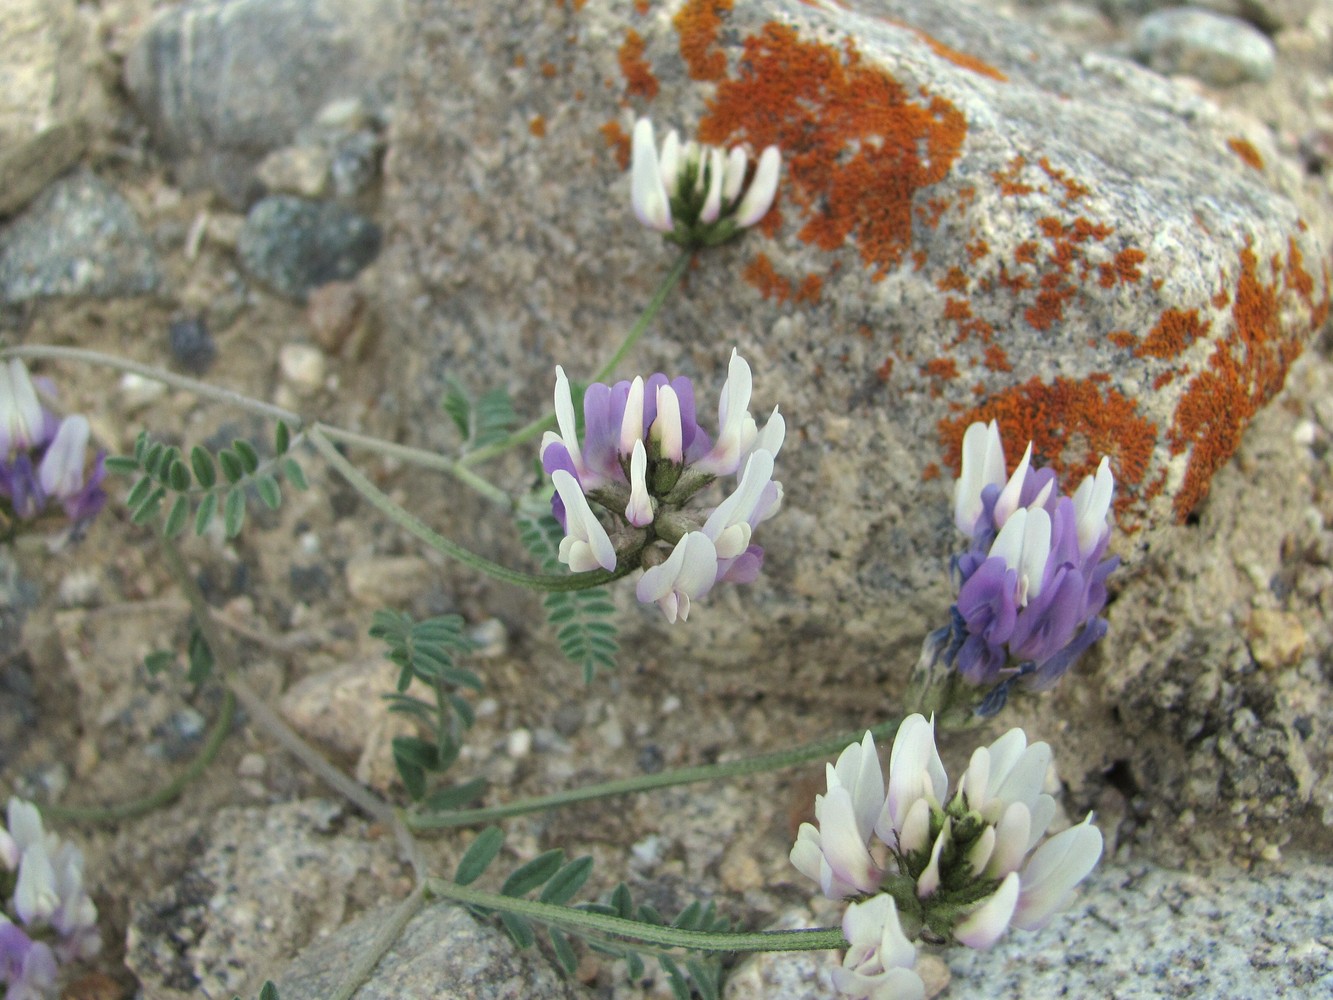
pixel 43 458
pixel 47 917
pixel 1033 582
pixel 643 459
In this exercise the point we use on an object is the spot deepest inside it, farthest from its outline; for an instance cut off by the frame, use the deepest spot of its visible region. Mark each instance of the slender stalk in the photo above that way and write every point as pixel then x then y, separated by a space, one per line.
pixel 409 522
pixel 545 422
pixel 417 456
pixel 809 939
pixel 663 779
pixel 139 807
pixel 226 663
pixel 382 942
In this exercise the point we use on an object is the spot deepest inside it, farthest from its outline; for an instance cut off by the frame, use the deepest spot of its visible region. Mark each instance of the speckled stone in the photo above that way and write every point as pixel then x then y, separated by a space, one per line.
pixel 1218 49
pixel 442 953
pixel 266 883
pixel 80 237
pixel 990 236
pixel 1134 933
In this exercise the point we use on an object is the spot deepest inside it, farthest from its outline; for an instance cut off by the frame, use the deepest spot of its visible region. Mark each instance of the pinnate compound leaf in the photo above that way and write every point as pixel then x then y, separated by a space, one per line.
pixel 292 470
pixel 479 855
pixel 519 929
pixel 233 511
pixel 203 517
pixel 177 517
pixel 204 469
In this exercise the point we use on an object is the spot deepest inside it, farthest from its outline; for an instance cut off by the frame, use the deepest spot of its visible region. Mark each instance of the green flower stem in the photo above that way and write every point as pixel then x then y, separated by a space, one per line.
pixel 547 421
pixel 409 522
pixel 663 779
pixel 809 939
pixel 417 456
pixel 139 807
pixel 383 941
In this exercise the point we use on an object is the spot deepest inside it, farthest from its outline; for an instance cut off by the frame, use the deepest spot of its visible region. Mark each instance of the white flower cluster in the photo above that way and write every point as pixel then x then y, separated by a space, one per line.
pixel 696 195
pixel 42 881
pixel 922 866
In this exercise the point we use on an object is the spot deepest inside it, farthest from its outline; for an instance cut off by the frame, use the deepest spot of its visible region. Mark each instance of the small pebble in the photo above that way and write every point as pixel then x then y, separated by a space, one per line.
pixel 252 765
pixel 136 392
pixel 192 345
pixel 1219 50
pixel 518 744
pixel 302 366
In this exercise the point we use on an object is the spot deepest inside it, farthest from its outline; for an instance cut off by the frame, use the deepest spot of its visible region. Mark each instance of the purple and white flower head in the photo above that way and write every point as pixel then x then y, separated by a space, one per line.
pixel 628 494
pixel 46 915
pixel 698 195
pixel 1032 583
pixel 960 870
pixel 43 458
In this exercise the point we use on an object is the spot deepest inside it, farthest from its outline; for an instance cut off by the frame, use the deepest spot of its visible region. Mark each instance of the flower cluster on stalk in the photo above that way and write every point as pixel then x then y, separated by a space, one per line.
pixel 46 918
pixel 42 457
pixel 921 866
pixel 643 461
pixel 1032 583
pixel 697 195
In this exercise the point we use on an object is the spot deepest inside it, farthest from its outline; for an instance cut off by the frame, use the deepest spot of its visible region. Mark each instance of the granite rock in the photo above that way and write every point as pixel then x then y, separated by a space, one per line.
pixel 443 952
pixel 267 882
pixel 49 95
pixel 1134 933
pixel 1218 49
pixel 80 237
pixel 223 82
pixel 294 244
pixel 1012 249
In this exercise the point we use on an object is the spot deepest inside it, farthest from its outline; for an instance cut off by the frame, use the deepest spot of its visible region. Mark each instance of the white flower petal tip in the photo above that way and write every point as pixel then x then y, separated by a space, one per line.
pixel 20 410
pixel 648 190
pixel 988 922
pixel 915 772
pixel 981 465
pixel 1092 504
pixel 640 510
pixel 688 573
pixel 586 545
pixel 763 189
pixel 1053 871
pixel 61 471
pixel 879 960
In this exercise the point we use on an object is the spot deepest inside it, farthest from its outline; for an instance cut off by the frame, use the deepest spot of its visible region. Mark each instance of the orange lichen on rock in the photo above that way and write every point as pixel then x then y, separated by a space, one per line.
pixel 639 79
pixel 1122 338
pixel 976 250
pixel 1245 371
pixel 940 368
pixel 1246 151
pixel 618 141
pixel 1124 269
pixel 1071 425
pixel 642 7
pixel 550 70
pixel 1007 179
pixel 810 289
pixel 763 276
pixel 962 59
pixel 1175 331
pixel 537 126
pixel 996 359
pixel 698 24
pixel 954 281
pixel 1073 190
pixel 856 149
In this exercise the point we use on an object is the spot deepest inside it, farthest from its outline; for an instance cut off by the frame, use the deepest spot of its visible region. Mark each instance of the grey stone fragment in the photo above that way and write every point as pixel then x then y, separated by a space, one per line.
pixel 79 238
pixel 48 95
pixel 1270 15
pixel 1133 933
pixel 294 245
pixel 223 82
pixel 1219 50
pixel 266 883
pixel 443 953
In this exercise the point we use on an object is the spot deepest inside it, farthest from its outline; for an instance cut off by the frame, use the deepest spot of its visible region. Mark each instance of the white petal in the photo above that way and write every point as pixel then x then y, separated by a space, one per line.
pixel 689 572
pixel 929 880
pixel 915 832
pixel 648 193
pixel 734 175
pixel 859 772
pixel 1036 551
pixel 666 429
pixel 915 771
pixel 1012 841
pixel 35 895
pixel 981 465
pixel 631 425
pixel 61 471
pixel 1092 502
pixel 639 512
pixel 758 198
pixel 729 523
pixel 712 207
pixel 774 433
pixel 1007 502
pixel 586 544
pixel 984 925
pixel 1055 869
pixel 979 854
